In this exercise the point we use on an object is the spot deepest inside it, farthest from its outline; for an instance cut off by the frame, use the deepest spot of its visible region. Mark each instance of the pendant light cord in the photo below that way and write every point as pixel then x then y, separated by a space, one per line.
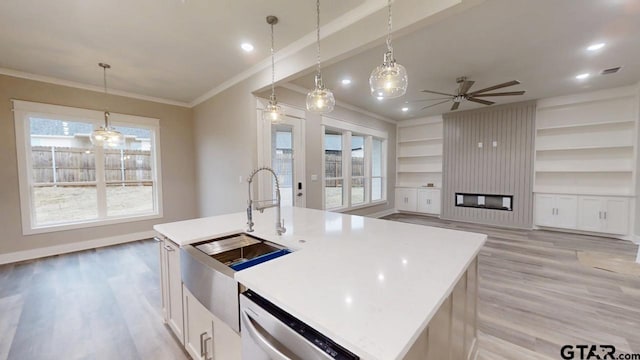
pixel 389 28
pixel 273 69
pixel 318 32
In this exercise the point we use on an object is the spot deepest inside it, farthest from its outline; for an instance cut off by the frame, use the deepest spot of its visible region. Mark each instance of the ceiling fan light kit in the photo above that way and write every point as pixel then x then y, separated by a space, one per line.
pixel 273 111
pixel 106 136
pixel 320 99
pixel 463 94
pixel 390 79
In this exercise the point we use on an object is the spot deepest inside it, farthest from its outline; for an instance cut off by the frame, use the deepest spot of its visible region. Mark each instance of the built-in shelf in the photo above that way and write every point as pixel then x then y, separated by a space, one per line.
pixel 419 156
pixel 612 146
pixel 579 125
pixel 419 172
pixel 584 171
pixel 419 140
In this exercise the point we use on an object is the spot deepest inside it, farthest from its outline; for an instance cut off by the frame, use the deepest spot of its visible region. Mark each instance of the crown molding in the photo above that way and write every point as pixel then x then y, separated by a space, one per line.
pixel 340 23
pixel 301 90
pixel 73 84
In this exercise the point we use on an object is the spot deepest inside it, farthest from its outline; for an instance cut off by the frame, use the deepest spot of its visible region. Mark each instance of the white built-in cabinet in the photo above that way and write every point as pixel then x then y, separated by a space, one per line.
pixel 171 286
pixel 406 199
pixel 602 214
pixel 205 336
pixel 421 200
pixel 428 201
pixel 586 149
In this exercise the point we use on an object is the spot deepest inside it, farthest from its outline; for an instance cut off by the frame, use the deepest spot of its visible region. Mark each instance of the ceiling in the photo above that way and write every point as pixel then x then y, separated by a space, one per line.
pixel 169 49
pixel 542 43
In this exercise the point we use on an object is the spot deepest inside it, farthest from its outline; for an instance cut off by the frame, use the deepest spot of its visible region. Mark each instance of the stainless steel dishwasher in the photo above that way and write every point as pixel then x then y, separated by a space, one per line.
pixel 269 333
pixel 208 268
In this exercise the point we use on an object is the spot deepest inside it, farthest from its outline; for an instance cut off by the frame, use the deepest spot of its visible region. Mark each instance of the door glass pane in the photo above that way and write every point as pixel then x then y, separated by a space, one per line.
pixel 128 173
pixel 333 194
pixel 376 189
pixel 357 191
pixel 332 155
pixel 64 171
pixel 282 161
pixel 357 155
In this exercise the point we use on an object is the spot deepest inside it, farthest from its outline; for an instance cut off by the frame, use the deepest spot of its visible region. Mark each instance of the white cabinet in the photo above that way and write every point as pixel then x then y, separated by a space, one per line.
pixel 406 199
pixel 604 214
pixel 205 336
pixel 428 201
pixel 556 210
pixel 171 286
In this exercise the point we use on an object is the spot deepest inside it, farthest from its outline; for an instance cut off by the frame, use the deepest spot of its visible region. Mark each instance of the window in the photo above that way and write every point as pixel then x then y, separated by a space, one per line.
pixel 355 177
pixel 66 182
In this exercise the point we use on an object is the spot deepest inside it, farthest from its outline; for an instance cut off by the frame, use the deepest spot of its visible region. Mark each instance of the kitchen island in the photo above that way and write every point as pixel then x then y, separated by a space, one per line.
pixel 383 290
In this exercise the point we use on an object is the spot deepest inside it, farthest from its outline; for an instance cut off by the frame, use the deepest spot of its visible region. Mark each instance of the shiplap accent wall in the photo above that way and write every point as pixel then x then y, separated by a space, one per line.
pixel 506 169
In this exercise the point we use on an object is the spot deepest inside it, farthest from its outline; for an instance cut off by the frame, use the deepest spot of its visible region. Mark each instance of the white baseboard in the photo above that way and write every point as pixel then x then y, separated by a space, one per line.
pixel 73 247
pixel 382 213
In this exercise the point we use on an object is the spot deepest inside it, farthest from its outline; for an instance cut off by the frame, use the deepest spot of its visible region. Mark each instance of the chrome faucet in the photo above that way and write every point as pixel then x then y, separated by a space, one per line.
pixel 260 205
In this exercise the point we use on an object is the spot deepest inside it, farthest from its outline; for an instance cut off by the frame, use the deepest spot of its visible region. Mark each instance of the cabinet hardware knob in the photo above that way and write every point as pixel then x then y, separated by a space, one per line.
pixel 203 350
pixel 168 248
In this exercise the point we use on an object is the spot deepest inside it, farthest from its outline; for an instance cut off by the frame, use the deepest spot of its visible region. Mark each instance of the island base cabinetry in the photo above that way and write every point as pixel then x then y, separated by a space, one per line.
pixel 205 336
pixel 171 286
pixel 452 332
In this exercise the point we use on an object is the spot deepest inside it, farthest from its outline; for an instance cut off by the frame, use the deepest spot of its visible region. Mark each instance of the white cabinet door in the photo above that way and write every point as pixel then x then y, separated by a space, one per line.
pixel 227 345
pixel 616 216
pixel 435 201
pixel 198 329
pixel 406 199
pixel 174 289
pixel 424 197
pixel 591 213
pixel 566 211
pixel 545 210
pixel 164 280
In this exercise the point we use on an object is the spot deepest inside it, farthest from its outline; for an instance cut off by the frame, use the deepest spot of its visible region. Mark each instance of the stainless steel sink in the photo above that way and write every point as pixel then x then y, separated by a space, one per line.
pixel 208 268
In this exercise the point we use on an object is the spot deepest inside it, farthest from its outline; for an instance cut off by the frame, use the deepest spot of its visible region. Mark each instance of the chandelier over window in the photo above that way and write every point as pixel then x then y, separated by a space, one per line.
pixel 106 136
pixel 273 112
pixel 389 80
pixel 320 99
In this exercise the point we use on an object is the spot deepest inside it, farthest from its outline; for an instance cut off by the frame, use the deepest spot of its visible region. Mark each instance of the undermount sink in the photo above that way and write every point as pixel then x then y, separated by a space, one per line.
pixel 208 269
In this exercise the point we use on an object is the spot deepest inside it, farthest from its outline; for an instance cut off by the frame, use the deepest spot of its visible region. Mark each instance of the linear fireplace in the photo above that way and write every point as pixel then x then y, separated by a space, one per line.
pixel 485 201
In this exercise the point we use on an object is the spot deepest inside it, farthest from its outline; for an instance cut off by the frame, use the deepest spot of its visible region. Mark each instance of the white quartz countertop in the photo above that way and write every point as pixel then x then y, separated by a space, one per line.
pixel 370 285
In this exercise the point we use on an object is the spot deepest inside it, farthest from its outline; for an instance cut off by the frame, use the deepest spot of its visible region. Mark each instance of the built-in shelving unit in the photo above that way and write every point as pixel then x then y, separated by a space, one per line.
pixel 586 145
pixel 419 152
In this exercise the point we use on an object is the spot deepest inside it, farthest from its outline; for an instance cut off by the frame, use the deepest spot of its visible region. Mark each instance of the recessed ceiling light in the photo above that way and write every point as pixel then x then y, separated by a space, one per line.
pixel 380 98
pixel 595 47
pixel 583 76
pixel 247 47
pixel 405 109
pixel 346 81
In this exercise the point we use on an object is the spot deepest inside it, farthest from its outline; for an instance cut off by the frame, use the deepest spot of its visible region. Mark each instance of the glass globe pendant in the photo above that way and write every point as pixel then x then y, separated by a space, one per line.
pixel 106 136
pixel 273 112
pixel 389 80
pixel 320 99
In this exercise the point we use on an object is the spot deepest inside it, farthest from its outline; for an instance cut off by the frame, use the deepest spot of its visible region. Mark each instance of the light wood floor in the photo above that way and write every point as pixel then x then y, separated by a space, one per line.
pixel 534 297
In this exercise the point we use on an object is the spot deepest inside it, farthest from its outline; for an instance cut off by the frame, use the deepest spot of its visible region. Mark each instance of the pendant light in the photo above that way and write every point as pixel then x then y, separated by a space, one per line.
pixel 106 136
pixel 320 99
pixel 389 80
pixel 273 112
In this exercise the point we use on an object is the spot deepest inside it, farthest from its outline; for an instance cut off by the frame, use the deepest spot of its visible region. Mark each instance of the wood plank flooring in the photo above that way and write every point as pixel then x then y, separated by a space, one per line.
pixel 96 304
pixel 534 297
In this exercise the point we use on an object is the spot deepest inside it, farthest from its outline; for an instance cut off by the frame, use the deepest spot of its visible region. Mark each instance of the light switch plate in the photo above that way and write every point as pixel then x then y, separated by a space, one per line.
pixel 495 143
pixel 314 177
pixel 480 145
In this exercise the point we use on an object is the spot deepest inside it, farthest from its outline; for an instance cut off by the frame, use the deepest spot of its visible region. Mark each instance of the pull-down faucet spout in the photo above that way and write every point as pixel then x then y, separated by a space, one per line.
pixel 260 205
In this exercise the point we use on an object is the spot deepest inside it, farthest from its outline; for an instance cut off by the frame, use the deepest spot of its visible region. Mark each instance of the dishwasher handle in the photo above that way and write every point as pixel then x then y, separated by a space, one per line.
pixel 261 340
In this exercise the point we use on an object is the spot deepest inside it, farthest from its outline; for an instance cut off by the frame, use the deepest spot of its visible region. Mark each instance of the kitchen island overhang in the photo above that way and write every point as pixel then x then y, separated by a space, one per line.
pixel 373 286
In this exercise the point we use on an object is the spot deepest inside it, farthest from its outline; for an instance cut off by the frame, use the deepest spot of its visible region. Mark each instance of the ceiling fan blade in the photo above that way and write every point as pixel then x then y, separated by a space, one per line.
pixel 501 94
pixel 436 99
pixel 499 86
pixel 455 106
pixel 442 102
pixel 437 92
pixel 480 101
pixel 466 85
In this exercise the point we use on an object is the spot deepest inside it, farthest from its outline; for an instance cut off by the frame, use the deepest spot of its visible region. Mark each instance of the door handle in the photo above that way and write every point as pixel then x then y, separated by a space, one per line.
pixel 206 352
pixel 157 239
pixel 600 215
pixel 169 248
pixel 203 350
pixel 299 194
pixel 271 349
pixel 605 215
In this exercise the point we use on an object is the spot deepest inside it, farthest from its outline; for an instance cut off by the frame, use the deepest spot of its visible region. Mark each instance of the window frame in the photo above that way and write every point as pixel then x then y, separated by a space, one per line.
pixel 23 110
pixel 348 130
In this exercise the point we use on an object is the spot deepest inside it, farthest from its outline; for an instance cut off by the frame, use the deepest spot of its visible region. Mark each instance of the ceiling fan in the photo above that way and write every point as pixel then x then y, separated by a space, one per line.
pixel 463 94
